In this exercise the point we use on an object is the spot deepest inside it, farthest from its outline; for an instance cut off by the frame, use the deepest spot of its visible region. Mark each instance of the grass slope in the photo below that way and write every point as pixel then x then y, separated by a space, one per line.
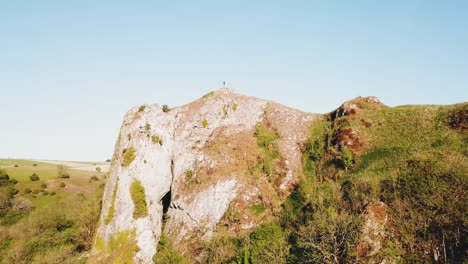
pixel 51 220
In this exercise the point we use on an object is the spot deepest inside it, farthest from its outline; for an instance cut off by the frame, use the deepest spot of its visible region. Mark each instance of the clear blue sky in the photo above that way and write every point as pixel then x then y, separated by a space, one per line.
pixel 69 70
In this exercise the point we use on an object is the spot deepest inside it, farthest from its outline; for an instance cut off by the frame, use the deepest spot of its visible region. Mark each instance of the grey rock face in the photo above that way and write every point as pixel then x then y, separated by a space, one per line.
pixel 170 148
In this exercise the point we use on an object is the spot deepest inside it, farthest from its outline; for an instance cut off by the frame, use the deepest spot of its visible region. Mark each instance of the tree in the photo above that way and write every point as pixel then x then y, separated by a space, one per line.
pixel 166 108
pixel 34 177
pixel 328 238
pixel 346 158
pixel 62 171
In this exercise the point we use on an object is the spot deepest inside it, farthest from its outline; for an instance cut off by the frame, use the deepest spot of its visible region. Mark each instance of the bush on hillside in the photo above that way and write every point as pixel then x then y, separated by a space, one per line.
pixel 137 192
pixel 34 177
pixel 62 171
pixel 128 156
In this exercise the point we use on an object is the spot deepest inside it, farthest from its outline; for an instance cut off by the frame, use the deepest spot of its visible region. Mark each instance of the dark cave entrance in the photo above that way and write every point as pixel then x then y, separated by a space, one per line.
pixel 166 201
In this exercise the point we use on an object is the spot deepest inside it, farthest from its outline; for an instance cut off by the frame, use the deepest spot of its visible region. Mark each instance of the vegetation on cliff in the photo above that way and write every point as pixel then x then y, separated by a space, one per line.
pixel 412 160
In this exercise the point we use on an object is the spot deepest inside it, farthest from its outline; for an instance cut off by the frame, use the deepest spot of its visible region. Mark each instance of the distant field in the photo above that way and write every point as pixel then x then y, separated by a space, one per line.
pixel 28 232
pixel 83 177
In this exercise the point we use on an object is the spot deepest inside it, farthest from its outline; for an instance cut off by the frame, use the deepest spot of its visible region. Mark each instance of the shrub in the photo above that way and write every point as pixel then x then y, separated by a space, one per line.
pixel 222 249
pixel 266 244
pixel 129 156
pixel 62 185
pixel 142 108
pixel 34 165
pixel 266 141
pixel 208 95
pixel 43 185
pixel 167 254
pixel 11 191
pixel 16 165
pixel 156 139
pixel 108 160
pixel 204 123
pixel 94 178
pixel 137 192
pixel 4 177
pixel 98 169
pixel 62 171
pixel 34 177
pixel 111 212
pixel 27 191
pixel 428 205
pixel 257 209
pixel 328 237
pixel 166 108
pixel 346 158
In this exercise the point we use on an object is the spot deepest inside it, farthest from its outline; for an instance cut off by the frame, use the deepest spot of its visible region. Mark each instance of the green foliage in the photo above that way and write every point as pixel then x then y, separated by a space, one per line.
pixel 234 107
pixel 266 244
pixel 167 254
pixel 428 208
pixel 329 236
pixel 62 185
pixel 34 177
pixel 257 209
pixel 166 108
pixel 325 216
pixel 98 169
pixel 55 233
pixel 222 249
pixel 94 178
pixel 156 140
pixel 4 178
pixel 120 239
pixel 120 249
pixel 208 95
pixel 62 171
pixel 128 156
pixel 204 123
pixel 137 192
pixel 100 244
pixel 346 158
pixel 141 108
pixel 269 153
pixel 43 185
pixel 111 212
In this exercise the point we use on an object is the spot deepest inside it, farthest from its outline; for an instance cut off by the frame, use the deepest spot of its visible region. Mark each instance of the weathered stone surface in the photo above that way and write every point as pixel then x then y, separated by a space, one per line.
pixel 202 185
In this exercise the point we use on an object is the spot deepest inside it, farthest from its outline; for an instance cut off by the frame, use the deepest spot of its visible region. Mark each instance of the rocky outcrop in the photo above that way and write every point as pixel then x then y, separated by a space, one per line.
pixel 198 166
pixel 373 233
pixel 352 107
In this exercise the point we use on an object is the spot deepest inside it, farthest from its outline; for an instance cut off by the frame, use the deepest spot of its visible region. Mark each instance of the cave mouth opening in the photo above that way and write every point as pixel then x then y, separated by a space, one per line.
pixel 166 201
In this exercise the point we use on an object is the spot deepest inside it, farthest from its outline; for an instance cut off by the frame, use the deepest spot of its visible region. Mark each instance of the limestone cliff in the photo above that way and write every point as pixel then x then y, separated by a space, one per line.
pixel 184 171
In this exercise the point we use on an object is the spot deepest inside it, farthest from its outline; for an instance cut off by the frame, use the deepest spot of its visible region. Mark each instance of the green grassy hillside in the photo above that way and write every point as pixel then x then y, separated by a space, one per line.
pixel 379 184
pixel 50 218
